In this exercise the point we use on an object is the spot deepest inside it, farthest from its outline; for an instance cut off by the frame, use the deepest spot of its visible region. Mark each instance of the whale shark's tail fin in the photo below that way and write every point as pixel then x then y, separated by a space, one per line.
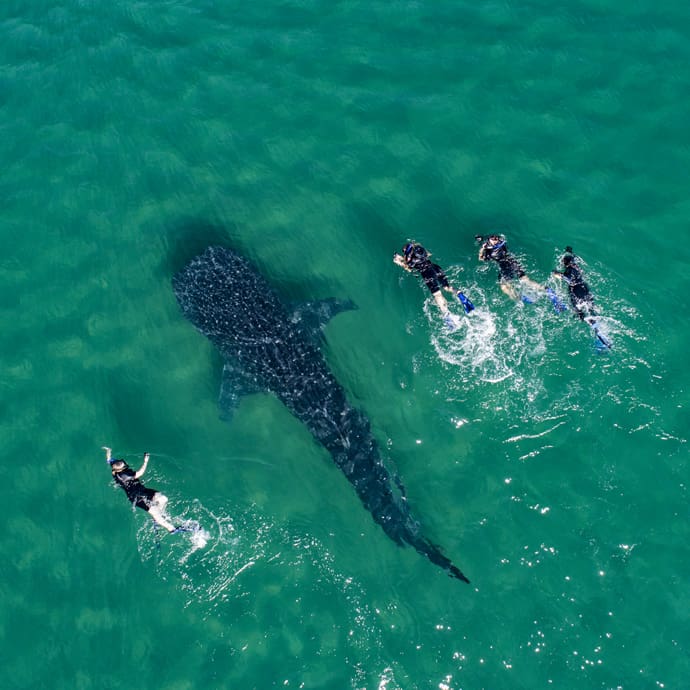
pixel 433 553
pixel 455 572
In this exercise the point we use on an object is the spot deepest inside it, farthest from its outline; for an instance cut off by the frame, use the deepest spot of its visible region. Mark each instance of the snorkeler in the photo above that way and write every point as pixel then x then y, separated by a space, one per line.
pixel 416 258
pixel 150 500
pixel 580 296
pixel 494 248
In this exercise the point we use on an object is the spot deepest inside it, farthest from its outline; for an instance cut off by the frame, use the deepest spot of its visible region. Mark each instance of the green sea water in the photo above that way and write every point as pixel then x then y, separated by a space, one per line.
pixel 315 138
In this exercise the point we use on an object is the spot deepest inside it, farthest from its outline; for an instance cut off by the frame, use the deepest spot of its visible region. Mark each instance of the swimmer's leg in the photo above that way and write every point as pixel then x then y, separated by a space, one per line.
pixel 509 289
pixel 584 308
pixel 160 500
pixel 441 302
pixel 526 280
pixel 157 511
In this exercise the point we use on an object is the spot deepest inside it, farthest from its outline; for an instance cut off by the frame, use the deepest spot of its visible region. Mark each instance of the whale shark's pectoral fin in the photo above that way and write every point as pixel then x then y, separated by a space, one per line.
pixel 233 388
pixel 313 316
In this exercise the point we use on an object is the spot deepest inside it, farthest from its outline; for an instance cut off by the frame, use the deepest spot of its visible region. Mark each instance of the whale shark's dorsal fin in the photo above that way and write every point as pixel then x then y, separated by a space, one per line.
pixel 313 316
pixel 233 388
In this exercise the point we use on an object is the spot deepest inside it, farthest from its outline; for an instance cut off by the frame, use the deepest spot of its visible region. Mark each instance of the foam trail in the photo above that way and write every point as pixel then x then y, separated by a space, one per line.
pixel 215 565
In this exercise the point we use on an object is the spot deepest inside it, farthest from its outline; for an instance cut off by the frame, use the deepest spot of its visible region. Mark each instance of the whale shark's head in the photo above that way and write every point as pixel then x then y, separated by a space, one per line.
pixel 226 298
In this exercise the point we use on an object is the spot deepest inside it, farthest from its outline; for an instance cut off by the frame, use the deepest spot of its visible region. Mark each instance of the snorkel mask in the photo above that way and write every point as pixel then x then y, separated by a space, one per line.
pixel 118 465
pixel 494 243
pixel 491 242
pixel 414 250
pixel 493 247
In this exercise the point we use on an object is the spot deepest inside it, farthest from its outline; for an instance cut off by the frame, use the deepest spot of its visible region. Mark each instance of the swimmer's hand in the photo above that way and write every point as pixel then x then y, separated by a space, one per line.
pixel 397 259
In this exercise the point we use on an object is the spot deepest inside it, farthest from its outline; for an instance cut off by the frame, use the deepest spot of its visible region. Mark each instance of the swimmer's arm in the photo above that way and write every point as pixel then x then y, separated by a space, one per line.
pixel 108 453
pixel 142 469
pixel 397 259
pixel 482 253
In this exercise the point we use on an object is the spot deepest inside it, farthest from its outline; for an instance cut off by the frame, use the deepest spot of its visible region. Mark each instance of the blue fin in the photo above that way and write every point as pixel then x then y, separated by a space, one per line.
pixel 452 322
pixel 558 305
pixel 466 304
pixel 602 342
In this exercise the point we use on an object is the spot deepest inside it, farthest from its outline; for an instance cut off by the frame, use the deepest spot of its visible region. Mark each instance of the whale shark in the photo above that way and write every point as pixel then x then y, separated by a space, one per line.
pixel 269 345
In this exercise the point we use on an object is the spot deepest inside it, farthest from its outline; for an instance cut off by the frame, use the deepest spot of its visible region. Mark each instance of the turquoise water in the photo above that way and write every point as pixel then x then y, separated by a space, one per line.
pixel 315 138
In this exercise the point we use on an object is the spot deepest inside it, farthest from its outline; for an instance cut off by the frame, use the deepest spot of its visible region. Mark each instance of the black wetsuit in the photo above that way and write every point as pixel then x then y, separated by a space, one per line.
pixel 508 266
pixel 432 274
pixel 140 495
pixel 580 296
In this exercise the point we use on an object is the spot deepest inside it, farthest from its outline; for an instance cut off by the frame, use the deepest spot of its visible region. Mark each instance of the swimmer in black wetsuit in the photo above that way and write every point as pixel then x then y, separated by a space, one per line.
pixel 494 248
pixel 580 296
pixel 415 258
pixel 150 500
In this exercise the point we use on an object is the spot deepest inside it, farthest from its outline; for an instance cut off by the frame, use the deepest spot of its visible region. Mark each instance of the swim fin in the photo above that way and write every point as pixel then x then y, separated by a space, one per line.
pixel 466 304
pixel 558 305
pixel 452 322
pixel 602 341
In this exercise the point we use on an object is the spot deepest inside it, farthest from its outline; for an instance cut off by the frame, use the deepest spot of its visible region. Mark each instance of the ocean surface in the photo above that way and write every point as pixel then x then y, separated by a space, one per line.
pixel 315 138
